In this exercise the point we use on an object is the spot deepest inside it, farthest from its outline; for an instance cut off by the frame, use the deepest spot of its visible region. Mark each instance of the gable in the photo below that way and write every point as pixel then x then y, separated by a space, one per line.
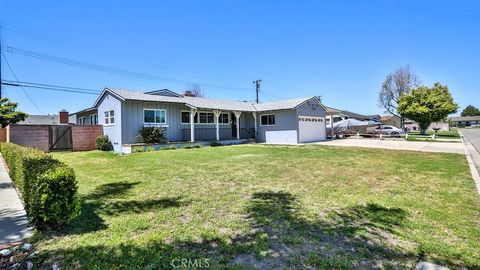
pixel 163 92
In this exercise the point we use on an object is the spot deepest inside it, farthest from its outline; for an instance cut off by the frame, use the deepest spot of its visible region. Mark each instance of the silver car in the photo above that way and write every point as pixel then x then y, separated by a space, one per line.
pixel 389 130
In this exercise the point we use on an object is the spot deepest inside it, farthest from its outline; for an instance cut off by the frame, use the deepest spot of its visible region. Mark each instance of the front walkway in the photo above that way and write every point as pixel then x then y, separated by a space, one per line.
pixel 442 147
pixel 13 219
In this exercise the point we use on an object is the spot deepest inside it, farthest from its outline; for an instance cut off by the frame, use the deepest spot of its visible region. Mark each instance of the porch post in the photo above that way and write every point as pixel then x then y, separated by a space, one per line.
pixel 217 115
pixel 331 125
pixel 192 124
pixel 255 120
pixel 237 115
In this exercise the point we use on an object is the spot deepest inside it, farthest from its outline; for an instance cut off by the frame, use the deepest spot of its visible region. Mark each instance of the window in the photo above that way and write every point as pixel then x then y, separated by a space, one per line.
pixel 81 120
pixel 93 119
pixel 154 116
pixel 185 117
pixel 267 120
pixel 109 117
pixel 224 118
pixel 206 118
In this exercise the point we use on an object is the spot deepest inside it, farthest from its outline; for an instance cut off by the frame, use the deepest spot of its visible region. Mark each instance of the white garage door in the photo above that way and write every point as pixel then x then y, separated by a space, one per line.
pixel 281 136
pixel 311 129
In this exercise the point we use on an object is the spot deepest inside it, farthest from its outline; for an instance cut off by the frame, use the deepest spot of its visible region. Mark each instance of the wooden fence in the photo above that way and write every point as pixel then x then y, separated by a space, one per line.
pixel 50 137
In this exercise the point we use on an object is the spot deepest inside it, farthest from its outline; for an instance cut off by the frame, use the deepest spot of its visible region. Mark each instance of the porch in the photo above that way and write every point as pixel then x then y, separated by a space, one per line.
pixel 220 125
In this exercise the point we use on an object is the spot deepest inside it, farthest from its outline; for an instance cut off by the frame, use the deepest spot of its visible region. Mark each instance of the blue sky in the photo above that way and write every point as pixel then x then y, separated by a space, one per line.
pixel 340 50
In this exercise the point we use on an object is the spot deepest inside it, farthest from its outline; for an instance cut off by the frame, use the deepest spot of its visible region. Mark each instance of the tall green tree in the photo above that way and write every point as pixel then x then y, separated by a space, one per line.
pixel 9 114
pixel 470 111
pixel 427 105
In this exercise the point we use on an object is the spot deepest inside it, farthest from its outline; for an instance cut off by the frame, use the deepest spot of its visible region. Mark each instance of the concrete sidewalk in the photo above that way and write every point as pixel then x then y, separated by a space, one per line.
pixel 13 219
pixel 440 147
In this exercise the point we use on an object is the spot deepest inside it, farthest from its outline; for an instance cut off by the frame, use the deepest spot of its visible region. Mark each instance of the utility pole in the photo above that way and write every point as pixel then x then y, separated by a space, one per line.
pixel 257 87
pixel 1 58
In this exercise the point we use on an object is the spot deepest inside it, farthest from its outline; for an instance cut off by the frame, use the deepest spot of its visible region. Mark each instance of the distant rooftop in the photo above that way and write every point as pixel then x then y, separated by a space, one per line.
pixel 41 120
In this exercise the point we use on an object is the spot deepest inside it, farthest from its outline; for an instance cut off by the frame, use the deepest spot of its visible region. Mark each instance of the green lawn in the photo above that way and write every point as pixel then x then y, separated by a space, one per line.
pixel 257 206
pixel 441 136
pixel 451 134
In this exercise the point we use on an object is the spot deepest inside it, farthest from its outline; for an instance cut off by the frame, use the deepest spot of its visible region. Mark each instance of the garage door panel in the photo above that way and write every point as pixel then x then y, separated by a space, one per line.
pixel 311 129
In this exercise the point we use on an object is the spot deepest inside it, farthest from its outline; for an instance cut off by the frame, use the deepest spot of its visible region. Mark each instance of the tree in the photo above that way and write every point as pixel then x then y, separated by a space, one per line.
pixel 470 111
pixel 195 89
pixel 427 105
pixel 9 114
pixel 396 84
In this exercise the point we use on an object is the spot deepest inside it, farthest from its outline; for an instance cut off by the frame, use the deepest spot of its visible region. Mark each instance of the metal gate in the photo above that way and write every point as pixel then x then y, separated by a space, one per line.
pixel 60 138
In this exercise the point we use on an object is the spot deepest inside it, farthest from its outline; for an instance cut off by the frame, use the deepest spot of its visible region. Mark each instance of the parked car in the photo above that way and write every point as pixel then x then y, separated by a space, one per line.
pixel 389 130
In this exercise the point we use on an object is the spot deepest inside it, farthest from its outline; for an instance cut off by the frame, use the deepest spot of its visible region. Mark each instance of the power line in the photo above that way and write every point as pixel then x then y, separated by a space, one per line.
pixel 107 69
pixel 105 51
pixel 23 89
pixel 53 87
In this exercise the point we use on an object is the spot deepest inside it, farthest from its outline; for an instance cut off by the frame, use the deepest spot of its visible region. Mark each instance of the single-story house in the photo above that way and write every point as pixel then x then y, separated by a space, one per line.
pixel 188 118
pixel 46 119
pixel 87 116
pixel 411 125
pixel 465 121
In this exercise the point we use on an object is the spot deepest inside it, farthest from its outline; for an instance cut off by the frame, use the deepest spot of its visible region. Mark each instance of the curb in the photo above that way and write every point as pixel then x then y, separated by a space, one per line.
pixel 468 147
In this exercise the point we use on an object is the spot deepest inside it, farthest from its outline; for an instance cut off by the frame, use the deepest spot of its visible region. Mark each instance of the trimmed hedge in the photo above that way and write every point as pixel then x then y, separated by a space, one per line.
pixel 48 186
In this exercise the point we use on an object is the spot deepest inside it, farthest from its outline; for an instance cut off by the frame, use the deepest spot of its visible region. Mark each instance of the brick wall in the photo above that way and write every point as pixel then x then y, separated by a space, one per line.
pixel 83 137
pixel 36 136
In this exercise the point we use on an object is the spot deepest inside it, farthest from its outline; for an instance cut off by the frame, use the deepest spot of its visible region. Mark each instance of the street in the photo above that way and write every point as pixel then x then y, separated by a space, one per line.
pixel 473 136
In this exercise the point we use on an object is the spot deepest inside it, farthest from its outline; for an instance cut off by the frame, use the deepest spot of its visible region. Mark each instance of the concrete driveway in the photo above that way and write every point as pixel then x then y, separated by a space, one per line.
pixel 440 147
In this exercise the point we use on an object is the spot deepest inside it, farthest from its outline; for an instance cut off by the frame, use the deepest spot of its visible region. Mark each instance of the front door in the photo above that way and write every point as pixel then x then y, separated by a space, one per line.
pixel 234 125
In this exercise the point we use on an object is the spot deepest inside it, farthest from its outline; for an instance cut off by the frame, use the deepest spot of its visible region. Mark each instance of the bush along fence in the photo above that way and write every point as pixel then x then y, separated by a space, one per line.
pixel 48 186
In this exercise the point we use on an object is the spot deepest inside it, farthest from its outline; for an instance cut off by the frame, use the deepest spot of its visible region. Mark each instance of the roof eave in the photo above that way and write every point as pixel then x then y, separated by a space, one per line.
pixel 103 93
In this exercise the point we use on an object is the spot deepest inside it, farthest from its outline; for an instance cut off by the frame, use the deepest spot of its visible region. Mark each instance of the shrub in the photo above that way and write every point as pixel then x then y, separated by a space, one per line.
pixel 215 143
pixel 103 143
pixel 48 186
pixel 170 147
pixel 138 149
pixel 190 146
pixel 149 149
pixel 152 135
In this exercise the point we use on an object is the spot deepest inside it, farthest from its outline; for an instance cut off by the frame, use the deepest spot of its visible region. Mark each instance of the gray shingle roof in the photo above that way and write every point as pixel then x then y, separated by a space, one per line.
pixel 281 104
pixel 208 103
pixel 40 120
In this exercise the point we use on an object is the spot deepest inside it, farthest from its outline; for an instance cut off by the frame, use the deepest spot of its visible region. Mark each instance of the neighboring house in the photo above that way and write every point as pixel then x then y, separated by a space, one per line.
pixel 56 119
pixel 412 125
pixel 84 117
pixel 390 120
pixel 465 121
pixel 339 115
pixel 187 118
